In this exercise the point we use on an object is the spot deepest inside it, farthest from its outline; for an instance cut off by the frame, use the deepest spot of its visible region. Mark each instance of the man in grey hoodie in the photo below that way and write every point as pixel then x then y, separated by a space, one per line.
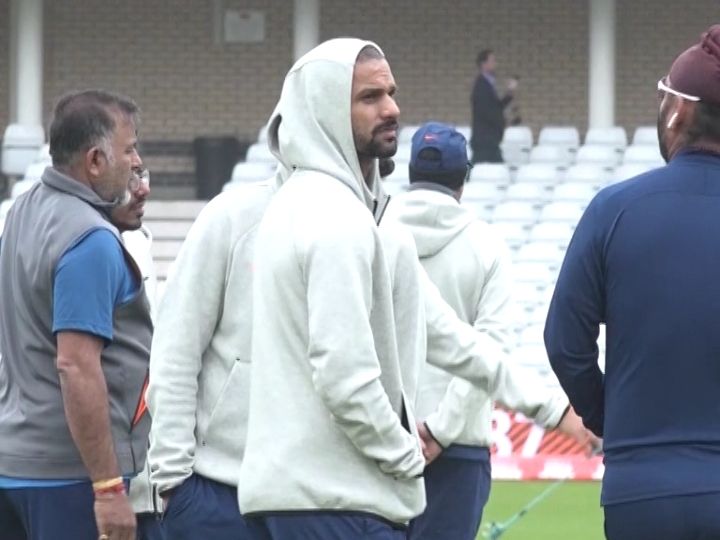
pixel 470 265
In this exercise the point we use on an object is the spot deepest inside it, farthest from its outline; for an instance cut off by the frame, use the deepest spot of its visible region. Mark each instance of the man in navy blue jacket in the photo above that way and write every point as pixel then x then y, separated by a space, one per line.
pixel 645 261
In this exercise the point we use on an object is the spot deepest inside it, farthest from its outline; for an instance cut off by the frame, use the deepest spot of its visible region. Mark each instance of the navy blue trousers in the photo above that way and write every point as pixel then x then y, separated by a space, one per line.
pixel 201 508
pixel 323 526
pixel 688 517
pixel 58 513
pixel 149 527
pixel 457 490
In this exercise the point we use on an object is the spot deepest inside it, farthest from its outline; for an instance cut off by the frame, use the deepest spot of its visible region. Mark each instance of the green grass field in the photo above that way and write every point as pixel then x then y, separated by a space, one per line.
pixel 571 512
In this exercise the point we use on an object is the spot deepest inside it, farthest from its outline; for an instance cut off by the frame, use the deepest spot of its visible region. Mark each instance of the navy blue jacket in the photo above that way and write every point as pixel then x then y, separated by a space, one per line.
pixel 645 261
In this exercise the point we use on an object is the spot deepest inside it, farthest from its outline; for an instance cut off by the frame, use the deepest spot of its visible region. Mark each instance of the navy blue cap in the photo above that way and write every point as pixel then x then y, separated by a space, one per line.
pixel 439 155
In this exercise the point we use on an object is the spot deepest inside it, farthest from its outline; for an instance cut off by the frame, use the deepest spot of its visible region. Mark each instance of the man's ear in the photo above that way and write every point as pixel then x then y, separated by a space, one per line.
pixel 681 115
pixel 95 161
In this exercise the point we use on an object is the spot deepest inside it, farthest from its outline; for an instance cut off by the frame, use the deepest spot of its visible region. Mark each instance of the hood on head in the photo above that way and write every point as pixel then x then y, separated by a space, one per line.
pixel 311 128
pixel 434 218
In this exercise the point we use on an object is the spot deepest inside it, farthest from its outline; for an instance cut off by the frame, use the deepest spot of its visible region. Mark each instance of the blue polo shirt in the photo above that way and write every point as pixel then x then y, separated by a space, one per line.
pixel 92 278
pixel 645 261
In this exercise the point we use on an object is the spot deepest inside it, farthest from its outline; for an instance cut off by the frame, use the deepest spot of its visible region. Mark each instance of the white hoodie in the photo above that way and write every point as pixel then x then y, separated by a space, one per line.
pixel 200 356
pixel 330 427
pixel 470 265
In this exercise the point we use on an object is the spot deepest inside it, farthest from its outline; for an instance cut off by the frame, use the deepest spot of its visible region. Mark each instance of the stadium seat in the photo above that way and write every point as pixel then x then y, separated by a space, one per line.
pixel 569 212
pixel 542 173
pixel 527 191
pixel 496 173
pixel 630 170
pixel 552 231
pixel 645 135
pixel 516 144
pixel 44 154
pixel 597 154
pixel 406 133
pixel 253 171
pixel 614 137
pixel 482 191
pixel 546 252
pixel 527 295
pixel 259 152
pixel 566 137
pixel 514 233
pixel 533 272
pixel 643 154
pixel 587 173
pixel 532 335
pixel 519 211
pixel 549 153
pixel 5 207
pixel 574 191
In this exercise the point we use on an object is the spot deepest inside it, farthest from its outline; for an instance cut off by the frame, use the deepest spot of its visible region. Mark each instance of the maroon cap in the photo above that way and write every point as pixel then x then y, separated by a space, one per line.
pixel 697 70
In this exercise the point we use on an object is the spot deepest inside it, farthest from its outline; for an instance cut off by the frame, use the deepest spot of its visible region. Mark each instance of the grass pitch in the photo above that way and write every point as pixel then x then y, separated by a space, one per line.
pixel 571 512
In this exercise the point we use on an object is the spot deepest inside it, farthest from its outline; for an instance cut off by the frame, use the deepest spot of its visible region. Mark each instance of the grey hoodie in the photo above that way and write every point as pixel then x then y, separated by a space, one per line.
pixel 330 426
pixel 470 265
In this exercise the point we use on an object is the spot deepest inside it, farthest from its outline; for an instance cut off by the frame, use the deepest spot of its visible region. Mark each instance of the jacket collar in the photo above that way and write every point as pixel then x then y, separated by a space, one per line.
pixel 54 179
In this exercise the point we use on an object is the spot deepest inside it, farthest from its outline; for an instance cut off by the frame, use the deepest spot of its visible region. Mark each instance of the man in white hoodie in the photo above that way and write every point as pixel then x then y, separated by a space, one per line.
pixel 470 266
pixel 340 314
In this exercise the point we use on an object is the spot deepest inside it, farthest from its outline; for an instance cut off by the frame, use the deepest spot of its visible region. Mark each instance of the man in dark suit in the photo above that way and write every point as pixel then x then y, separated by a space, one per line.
pixel 488 110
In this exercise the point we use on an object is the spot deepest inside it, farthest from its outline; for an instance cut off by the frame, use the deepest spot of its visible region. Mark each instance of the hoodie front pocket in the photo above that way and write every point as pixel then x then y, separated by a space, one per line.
pixel 228 420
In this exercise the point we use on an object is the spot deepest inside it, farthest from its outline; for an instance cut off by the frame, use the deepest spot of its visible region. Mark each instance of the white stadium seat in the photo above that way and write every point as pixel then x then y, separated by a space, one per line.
pixel 552 231
pixel 643 154
pixel 256 171
pixel 597 154
pixel 259 152
pixel 569 212
pixel 533 272
pixel 527 191
pixel 566 137
pixel 481 191
pixel 516 144
pixel 514 233
pixel 645 135
pixel 523 212
pixel 497 173
pixel 546 252
pixel 543 173
pixel 575 191
pixel 587 173
pixel 549 153
pixel 615 137
pixel 630 170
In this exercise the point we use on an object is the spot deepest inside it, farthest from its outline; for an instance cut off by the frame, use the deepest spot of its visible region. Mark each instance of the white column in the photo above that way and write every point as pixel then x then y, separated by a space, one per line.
pixel 602 64
pixel 27 61
pixel 306 26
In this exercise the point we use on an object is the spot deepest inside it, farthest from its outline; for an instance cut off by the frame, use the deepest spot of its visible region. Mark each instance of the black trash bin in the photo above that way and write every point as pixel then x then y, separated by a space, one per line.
pixel 215 158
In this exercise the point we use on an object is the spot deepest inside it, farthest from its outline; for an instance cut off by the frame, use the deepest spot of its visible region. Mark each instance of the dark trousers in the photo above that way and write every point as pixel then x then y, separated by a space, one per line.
pixel 688 517
pixel 203 509
pixel 457 490
pixel 489 153
pixel 58 513
pixel 149 527
pixel 323 526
